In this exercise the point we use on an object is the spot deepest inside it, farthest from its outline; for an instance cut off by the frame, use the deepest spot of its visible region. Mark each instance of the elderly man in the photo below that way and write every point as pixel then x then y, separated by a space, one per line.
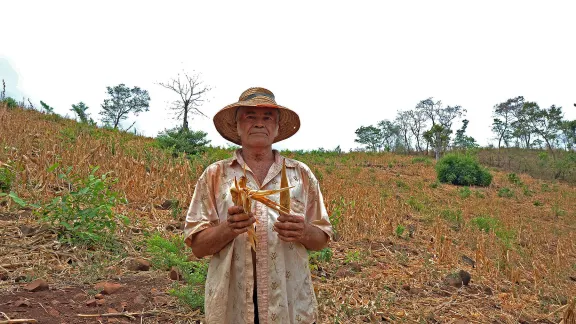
pixel 273 283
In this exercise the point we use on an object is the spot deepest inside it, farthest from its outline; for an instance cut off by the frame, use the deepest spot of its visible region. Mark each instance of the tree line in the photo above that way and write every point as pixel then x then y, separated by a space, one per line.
pixel 429 127
pixel 123 102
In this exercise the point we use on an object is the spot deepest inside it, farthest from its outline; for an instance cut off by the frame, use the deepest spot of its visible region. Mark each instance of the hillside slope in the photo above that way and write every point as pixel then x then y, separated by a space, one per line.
pixel 401 234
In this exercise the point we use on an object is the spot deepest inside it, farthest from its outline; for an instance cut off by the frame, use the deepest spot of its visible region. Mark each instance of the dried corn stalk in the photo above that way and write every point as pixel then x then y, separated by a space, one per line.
pixel 243 196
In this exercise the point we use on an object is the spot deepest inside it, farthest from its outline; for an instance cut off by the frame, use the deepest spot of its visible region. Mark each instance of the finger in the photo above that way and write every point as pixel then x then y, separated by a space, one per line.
pixel 291 218
pixel 242 224
pixel 287 226
pixel 240 217
pixel 235 210
pixel 240 230
pixel 287 238
pixel 289 233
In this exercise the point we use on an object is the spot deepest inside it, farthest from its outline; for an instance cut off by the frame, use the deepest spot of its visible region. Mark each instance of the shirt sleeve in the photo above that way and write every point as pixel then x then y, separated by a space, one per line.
pixel 202 212
pixel 316 213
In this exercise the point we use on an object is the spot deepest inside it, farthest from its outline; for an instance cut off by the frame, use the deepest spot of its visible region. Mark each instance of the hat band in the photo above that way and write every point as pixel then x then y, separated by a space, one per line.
pixel 259 94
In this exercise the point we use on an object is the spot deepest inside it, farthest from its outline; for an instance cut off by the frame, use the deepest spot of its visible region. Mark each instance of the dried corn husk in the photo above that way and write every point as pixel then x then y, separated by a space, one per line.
pixel 284 195
pixel 243 196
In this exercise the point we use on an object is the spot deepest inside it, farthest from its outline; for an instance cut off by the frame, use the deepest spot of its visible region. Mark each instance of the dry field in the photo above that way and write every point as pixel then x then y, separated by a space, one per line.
pixel 402 237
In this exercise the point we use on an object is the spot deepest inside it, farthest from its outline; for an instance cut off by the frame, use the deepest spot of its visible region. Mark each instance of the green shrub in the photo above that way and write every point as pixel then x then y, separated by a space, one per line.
pixel 422 159
pixel 400 230
pixel 6 178
pixel 513 177
pixel 412 202
pixel 178 140
pixel 435 184
pixel 488 224
pixel 85 215
pixel 324 255
pixel 538 203
pixel 171 252
pixel 10 103
pixel 462 170
pixel 464 192
pixel 484 223
pixel 505 192
pixel 454 217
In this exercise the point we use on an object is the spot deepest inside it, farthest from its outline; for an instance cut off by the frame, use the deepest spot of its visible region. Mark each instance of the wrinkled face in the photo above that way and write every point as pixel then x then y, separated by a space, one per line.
pixel 257 127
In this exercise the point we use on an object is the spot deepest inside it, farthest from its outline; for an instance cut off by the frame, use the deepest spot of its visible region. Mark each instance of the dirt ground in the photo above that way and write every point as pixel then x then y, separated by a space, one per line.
pixel 143 293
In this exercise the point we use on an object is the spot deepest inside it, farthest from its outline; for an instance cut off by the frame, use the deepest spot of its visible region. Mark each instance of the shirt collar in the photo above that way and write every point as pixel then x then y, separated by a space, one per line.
pixel 237 157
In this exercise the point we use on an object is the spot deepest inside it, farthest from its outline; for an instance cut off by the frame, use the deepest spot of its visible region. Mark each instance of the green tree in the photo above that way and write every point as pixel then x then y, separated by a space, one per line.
pixel 461 140
pixel 568 128
pixel 545 122
pixel 438 137
pixel 80 110
pixel 370 136
pixel 417 123
pixel 403 122
pixel 504 117
pixel 191 93
pixel 121 103
pixel 390 134
pixel 47 108
pixel 181 140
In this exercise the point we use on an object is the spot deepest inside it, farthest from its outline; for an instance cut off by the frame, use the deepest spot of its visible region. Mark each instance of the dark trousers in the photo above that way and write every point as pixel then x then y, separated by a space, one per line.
pixel 255 300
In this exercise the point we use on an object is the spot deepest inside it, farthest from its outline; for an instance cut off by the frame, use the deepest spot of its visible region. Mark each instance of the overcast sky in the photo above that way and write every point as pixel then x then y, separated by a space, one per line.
pixel 339 65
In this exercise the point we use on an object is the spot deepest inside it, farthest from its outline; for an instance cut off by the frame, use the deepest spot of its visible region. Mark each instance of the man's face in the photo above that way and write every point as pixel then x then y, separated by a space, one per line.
pixel 257 126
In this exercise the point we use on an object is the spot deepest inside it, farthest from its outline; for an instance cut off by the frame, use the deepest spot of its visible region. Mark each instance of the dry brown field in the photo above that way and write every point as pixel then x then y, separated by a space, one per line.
pixel 402 237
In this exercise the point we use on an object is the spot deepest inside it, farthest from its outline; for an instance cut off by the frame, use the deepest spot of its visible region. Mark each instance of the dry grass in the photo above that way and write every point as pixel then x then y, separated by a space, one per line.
pixel 400 232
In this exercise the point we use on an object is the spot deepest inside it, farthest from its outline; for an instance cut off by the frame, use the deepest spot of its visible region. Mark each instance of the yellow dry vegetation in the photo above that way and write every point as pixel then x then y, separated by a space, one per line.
pixel 399 231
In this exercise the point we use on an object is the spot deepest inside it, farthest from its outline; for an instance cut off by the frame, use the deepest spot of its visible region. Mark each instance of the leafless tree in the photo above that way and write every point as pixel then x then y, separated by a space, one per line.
pixel 191 92
pixel 417 124
pixel 403 122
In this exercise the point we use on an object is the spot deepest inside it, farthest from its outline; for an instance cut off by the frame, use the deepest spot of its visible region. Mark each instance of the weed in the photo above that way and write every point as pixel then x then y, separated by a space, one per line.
pixel 330 169
pixel 489 224
pixel 401 184
pixel 412 202
pixel 505 192
pixel 435 184
pixel 352 256
pixel 400 230
pixel 6 178
pixel 527 192
pixel 514 178
pixel 170 252
pixel 454 217
pixel 464 192
pixel 484 223
pixel 557 211
pixel 324 255
pixel 338 208
pixel 318 174
pixel 479 194
pixel 538 203
pixel 175 209
pixel 422 159
pixel 85 215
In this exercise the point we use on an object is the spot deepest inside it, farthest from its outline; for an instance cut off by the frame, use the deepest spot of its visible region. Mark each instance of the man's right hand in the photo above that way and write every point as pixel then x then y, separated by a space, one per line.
pixel 238 221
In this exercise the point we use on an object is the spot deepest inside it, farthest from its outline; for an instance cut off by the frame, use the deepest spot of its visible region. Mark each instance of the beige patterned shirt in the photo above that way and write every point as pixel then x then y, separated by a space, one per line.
pixel 284 286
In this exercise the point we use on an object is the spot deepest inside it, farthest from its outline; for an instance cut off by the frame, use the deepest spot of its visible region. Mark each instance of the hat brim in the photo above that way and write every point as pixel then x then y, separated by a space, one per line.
pixel 225 121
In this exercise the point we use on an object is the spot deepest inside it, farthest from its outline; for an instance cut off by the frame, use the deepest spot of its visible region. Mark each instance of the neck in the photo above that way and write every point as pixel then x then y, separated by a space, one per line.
pixel 257 155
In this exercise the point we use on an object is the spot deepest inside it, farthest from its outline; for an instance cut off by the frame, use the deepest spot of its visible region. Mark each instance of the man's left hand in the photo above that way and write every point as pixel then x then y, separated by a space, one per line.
pixel 290 228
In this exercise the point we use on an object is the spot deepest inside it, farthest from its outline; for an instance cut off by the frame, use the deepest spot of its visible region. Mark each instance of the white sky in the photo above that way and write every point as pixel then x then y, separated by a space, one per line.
pixel 339 65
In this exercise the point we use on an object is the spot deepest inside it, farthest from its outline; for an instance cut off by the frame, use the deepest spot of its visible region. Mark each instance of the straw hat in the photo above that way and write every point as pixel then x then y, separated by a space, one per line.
pixel 225 119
